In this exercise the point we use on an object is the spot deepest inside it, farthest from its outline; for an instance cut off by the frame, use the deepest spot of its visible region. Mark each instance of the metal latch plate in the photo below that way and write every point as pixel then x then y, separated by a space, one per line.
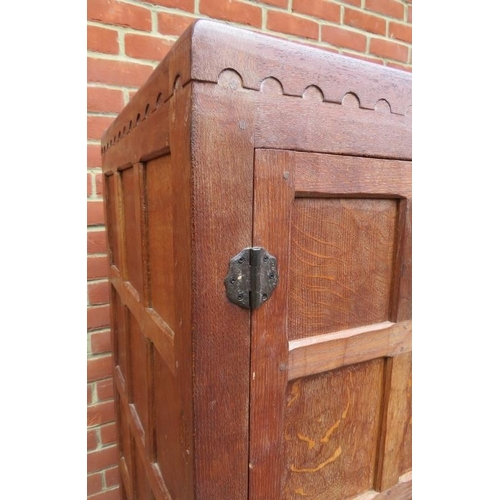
pixel 252 277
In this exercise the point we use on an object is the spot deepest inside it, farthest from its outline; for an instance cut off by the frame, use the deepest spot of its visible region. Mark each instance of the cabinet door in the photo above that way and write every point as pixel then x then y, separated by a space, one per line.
pixel 330 411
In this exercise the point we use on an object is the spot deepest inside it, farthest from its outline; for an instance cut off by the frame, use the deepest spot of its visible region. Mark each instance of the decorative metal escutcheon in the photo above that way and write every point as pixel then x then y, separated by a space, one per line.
pixel 252 277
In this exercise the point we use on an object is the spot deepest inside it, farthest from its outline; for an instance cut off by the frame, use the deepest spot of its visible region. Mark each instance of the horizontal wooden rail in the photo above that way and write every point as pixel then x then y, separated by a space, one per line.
pixel 326 352
pixel 151 324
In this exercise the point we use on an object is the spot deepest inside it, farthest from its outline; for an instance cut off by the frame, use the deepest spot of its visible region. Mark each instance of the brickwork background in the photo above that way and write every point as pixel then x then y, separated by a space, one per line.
pixel 125 41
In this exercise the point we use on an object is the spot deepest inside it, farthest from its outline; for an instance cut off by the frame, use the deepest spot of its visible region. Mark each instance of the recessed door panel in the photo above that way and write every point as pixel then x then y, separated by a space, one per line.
pixel 330 415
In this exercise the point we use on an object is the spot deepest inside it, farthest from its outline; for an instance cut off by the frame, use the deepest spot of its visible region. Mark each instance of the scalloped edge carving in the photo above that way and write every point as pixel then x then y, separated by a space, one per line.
pixel 229 78
pixel 232 79
pixel 122 126
pixel 313 93
pixel 271 85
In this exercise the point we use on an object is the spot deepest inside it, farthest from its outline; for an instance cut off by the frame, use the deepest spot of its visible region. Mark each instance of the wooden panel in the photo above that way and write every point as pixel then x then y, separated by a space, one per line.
pixel 139 368
pixel 273 184
pixel 331 433
pixel 111 188
pixel 401 491
pixel 354 176
pixel 306 125
pixel 151 324
pixel 180 135
pixel 126 446
pixel 132 223
pixel 401 297
pixel 396 441
pixel 327 352
pixel 171 455
pixel 120 330
pixel 341 265
pixel 160 206
pixel 216 46
pixel 141 481
pixel 222 145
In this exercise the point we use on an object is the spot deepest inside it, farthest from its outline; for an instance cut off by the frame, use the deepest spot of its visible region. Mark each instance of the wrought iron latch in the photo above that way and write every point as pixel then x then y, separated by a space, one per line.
pixel 252 277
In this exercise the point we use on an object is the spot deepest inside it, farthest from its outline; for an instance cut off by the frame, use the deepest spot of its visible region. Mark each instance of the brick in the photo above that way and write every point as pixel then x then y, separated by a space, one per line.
pixel 363 21
pixel 113 494
pixel 102 40
pixel 356 3
pixel 118 13
pixel 91 439
pixel 232 10
pixel 97 267
pixel 97 125
pixel 108 433
pixel 400 32
pixel 95 213
pixel 93 156
pixel 101 100
pixel 98 184
pixel 99 368
pixel 94 483
pixel 89 184
pixel 117 72
pixel 319 8
pixel 89 394
pixel 102 459
pixel 112 477
pixel 343 38
pixel 292 25
pixel 187 5
pixel 172 24
pixel 101 413
pixel 146 47
pixel 104 389
pixel 277 3
pixel 389 50
pixel 101 342
pixel 391 8
pixel 97 317
pixel 96 242
pixel 409 14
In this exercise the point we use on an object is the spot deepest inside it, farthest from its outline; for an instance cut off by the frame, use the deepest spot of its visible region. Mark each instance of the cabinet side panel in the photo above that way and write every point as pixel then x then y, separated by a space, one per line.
pixel 160 205
pixel 222 218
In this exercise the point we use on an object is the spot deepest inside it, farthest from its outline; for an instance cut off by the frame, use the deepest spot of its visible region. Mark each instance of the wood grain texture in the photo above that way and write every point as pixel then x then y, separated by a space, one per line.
pixel 138 365
pixel 299 124
pixel 320 174
pixel 180 124
pixel 132 438
pixel 297 67
pixel 302 72
pixel 150 323
pixel 331 432
pixel 111 213
pixel 222 196
pixel 160 209
pixel 401 491
pixel 341 265
pixel 188 362
pixel 401 307
pixel 396 437
pixel 326 352
pixel 132 225
pixel 273 196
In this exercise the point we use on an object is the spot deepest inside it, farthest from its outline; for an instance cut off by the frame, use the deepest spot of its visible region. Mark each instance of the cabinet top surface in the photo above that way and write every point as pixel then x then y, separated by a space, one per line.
pixel 207 48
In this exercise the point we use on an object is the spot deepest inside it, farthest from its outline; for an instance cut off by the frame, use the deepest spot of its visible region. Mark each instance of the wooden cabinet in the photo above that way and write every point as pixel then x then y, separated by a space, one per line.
pixel 240 140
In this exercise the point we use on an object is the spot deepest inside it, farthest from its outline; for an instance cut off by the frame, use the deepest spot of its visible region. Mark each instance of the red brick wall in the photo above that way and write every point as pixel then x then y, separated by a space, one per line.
pixel 125 40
